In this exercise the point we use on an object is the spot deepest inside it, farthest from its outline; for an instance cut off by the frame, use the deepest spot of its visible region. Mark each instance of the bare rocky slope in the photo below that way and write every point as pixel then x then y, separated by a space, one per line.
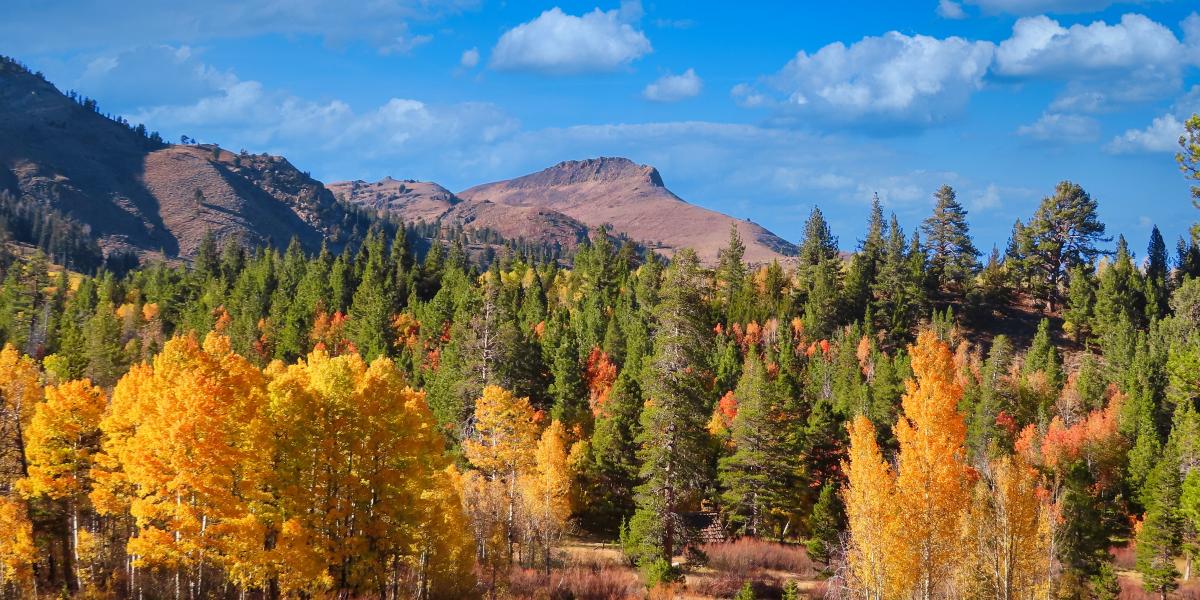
pixel 415 201
pixel 559 205
pixel 633 200
pixel 135 193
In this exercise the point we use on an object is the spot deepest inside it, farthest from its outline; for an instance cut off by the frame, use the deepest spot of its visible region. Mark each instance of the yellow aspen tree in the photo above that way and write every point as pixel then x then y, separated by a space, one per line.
pixel 445 550
pixel 361 491
pixel 17 550
pixel 547 489
pixel 1009 532
pixel 932 478
pixel 20 392
pixel 869 498
pixel 63 439
pixel 500 446
pixel 193 462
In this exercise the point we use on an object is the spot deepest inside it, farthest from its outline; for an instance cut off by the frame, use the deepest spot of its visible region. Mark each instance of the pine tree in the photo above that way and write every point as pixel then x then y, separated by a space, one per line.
pixel 672 439
pixel 568 389
pixel 371 306
pixel 1157 291
pixel 1119 296
pixel 755 476
pixel 1061 234
pixel 953 258
pixel 731 270
pixel 1081 298
pixel 1159 537
pixel 825 525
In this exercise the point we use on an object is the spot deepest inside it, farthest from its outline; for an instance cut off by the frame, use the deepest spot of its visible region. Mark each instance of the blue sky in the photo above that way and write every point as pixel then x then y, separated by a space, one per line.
pixel 760 110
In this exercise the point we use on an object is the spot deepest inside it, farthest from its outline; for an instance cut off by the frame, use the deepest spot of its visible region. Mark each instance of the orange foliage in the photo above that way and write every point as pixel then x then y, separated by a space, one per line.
pixel 407 329
pixel 329 334
pixel 599 373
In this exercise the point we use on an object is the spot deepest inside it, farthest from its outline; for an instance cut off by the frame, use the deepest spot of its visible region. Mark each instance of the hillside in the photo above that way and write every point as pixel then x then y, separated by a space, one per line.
pixel 134 192
pixel 634 201
pixel 416 201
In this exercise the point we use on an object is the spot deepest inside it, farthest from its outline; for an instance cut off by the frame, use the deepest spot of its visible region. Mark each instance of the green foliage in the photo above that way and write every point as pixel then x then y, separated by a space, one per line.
pixel 953 258
pixel 746 592
pixel 825 524
pixel 1158 540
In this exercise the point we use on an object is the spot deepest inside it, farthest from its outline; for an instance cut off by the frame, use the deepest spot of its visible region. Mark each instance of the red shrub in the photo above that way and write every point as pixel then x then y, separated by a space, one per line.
pixel 748 554
pixel 576 583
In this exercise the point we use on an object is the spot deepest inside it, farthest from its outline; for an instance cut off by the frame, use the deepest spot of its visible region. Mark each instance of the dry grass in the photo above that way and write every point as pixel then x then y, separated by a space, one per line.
pixel 576 583
pixel 747 554
pixel 1131 589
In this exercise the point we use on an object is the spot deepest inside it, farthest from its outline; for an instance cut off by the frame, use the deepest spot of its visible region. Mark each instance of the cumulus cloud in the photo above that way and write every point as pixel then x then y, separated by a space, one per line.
pixel 949 9
pixel 1061 128
pixel 558 43
pixel 246 114
pixel 892 78
pixel 673 88
pixel 1162 135
pixel 1040 46
pixel 470 58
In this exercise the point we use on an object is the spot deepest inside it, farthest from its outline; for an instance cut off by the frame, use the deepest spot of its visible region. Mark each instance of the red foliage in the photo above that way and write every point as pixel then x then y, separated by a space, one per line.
pixel 600 373
pixel 748 554
pixel 329 333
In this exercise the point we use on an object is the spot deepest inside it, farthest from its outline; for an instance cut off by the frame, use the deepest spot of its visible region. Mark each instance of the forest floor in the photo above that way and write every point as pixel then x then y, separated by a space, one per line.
pixel 586 570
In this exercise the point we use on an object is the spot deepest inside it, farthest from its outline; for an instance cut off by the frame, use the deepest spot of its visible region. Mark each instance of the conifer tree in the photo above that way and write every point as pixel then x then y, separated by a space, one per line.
pixel 371 306
pixel 672 439
pixel 755 475
pixel 1062 234
pixel 825 525
pixel 1159 537
pixel 952 256
pixel 1157 290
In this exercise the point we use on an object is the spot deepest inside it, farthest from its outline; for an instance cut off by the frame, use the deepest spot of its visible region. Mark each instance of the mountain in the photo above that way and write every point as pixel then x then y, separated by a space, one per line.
pixel 415 201
pixel 633 200
pixel 135 193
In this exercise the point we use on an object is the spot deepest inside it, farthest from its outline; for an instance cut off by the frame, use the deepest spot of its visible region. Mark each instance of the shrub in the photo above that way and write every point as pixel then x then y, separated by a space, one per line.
pixel 575 583
pixel 747 554
pixel 659 571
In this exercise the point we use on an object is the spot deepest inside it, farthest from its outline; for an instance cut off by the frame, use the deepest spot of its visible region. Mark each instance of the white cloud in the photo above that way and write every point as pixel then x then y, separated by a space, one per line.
pixel 672 88
pixel 559 43
pixel 1061 128
pixel 1040 46
pixel 245 114
pixel 949 9
pixel 1162 135
pixel 893 78
pixel 470 58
